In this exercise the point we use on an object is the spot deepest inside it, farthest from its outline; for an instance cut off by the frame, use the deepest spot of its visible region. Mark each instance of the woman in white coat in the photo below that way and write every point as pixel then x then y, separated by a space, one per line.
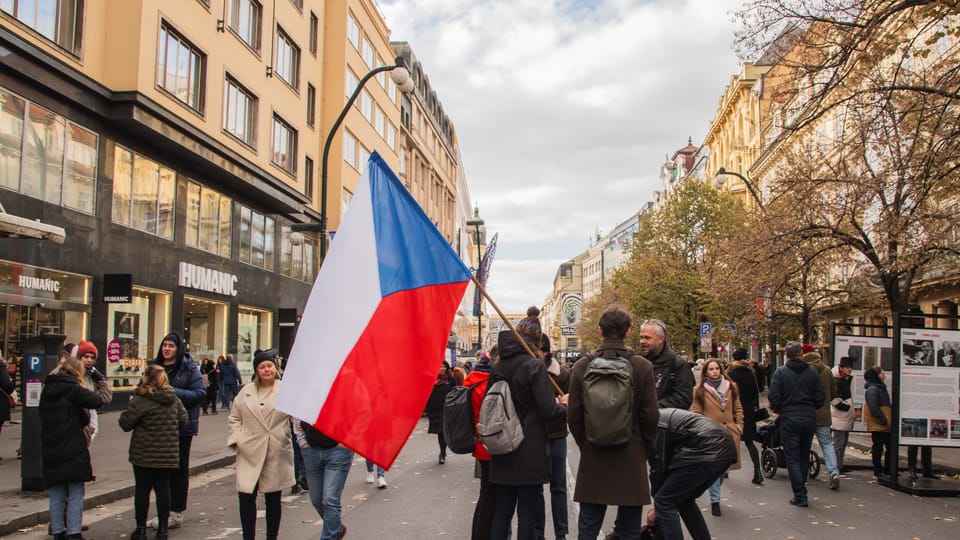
pixel 260 434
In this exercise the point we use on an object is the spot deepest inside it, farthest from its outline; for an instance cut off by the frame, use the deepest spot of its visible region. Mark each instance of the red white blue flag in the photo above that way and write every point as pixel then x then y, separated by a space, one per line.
pixel 375 328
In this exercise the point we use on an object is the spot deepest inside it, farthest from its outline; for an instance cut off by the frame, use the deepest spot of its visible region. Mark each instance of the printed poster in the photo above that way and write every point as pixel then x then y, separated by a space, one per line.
pixel 930 387
pixel 865 352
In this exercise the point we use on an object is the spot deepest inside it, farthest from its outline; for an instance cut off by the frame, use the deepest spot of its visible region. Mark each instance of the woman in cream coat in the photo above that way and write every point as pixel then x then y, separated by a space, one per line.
pixel 260 434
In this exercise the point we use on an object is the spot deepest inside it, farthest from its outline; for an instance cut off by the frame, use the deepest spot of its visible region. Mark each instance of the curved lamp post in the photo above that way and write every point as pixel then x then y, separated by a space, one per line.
pixel 401 78
pixel 719 181
pixel 476 223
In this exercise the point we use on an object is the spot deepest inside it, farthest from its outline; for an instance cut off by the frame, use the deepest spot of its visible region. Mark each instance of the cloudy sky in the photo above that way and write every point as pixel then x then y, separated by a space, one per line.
pixel 565 110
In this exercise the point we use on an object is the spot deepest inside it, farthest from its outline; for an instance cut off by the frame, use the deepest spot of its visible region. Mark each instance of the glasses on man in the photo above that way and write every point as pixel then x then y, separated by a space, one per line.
pixel 655 322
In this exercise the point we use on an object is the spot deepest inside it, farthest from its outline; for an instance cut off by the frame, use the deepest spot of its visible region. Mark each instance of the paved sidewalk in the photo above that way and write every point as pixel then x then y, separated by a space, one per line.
pixel 113 471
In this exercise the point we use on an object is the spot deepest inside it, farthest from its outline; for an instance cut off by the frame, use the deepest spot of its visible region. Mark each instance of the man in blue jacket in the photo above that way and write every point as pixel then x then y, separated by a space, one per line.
pixel 795 393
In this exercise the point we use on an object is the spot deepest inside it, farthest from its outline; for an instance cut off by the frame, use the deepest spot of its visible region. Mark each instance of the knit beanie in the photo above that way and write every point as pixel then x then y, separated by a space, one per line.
pixel 85 347
pixel 529 327
pixel 807 348
pixel 174 337
pixel 262 356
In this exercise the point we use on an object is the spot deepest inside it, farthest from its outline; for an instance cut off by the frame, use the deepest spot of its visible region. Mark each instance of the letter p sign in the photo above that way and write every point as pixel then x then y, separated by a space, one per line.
pixel 34 362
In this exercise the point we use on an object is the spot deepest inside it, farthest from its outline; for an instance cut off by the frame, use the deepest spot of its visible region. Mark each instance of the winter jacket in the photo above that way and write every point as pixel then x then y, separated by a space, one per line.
pixel 814 360
pixel 260 434
pixel 615 474
pixel 673 378
pixel 229 374
pixel 212 373
pixel 7 385
pixel 557 426
pixel 156 420
pixel 796 390
pixel 479 377
pixel 63 417
pixel 186 380
pixel 685 439
pixel 748 388
pixel 434 408
pixel 842 403
pixel 535 402
pixel 730 416
pixel 877 412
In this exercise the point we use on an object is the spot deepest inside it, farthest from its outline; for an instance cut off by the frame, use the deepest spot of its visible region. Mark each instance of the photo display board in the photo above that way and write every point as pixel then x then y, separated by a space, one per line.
pixel 930 387
pixel 866 352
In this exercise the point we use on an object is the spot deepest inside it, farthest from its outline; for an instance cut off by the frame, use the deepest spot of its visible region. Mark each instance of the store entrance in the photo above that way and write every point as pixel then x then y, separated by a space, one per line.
pixel 205 327
pixel 21 322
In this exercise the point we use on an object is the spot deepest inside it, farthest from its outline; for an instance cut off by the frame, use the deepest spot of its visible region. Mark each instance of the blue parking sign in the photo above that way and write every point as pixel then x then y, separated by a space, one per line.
pixel 35 362
pixel 705 329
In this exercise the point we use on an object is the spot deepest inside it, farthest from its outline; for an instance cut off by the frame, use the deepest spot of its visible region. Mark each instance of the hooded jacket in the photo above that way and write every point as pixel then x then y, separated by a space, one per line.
pixel 877 412
pixel 673 378
pixel 185 378
pixel 156 420
pixel 229 374
pixel 63 417
pixel 814 360
pixel 795 390
pixel 557 427
pixel 685 438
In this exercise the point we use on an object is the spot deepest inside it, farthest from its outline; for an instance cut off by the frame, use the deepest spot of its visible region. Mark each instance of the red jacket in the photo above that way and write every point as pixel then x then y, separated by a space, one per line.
pixel 474 377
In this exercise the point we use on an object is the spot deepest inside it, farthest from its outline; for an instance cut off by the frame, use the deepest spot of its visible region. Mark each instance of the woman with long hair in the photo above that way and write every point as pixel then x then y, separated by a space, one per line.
pixel 64 402
pixel 718 398
pixel 260 435
pixel 434 409
pixel 155 416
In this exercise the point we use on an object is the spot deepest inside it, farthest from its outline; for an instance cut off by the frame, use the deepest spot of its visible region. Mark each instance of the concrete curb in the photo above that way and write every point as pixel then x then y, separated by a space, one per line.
pixel 35 516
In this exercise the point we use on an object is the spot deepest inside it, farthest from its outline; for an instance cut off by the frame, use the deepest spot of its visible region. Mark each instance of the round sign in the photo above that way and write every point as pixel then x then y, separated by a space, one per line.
pixel 113 351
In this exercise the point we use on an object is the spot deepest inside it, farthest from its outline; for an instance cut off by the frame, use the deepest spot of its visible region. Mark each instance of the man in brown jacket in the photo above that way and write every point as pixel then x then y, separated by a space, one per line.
pixel 614 475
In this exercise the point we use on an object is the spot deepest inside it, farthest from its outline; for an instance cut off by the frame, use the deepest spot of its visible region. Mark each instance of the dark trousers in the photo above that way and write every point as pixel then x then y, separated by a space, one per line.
pixel 521 498
pixel 796 435
pixel 926 458
pixel 211 402
pixel 443 444
pixel 676 499
pixel 629 524
pixel 180 477
pixel 754 454
pixel 880 452
pixel 558 491
pixel 157 480
pixel 248 513
pixel 486 505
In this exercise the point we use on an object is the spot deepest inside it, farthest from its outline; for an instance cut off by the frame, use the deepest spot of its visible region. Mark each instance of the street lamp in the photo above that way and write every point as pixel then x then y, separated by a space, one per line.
pixel 719 181
pixel 476 223
pixel 401 78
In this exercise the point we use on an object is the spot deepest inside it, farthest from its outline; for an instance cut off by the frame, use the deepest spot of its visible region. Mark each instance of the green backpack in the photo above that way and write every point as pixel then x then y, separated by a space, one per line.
pixel 608 401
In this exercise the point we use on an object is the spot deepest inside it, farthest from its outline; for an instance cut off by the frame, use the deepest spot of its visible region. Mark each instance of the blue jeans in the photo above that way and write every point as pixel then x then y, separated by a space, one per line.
pixel 825 438
pixel 326 471
pixel 380 471
pixel 558 491
pixel 71 495
pixel 227 394
pixel 521 498
pixel 796 435
pixel 715 490
pixel 676 499
pixel 629 523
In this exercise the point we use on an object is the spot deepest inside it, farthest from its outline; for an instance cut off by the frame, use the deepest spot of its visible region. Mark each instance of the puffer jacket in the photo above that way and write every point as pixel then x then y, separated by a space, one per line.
pixel 185 378
pixel 63 417
pixel 814 360
pixel 479 378
pixel 686 438
pixel 156 420
pixel 842 419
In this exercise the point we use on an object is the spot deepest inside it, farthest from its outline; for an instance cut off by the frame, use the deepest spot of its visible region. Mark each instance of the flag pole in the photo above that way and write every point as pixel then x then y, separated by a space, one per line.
pixel 504 318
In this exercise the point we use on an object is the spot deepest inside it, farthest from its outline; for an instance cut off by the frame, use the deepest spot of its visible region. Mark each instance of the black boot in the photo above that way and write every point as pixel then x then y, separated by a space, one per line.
pixel 162 531
pixel 757 475
pixel 140 533
pixel 715 508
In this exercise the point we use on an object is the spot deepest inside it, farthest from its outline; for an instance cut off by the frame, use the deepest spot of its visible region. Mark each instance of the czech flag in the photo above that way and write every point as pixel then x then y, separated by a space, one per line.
pixel 374 330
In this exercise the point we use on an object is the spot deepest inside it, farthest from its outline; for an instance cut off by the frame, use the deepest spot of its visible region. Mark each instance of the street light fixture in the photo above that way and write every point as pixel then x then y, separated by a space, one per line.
pixel 476 223
pixel 401 78
pixel 719 181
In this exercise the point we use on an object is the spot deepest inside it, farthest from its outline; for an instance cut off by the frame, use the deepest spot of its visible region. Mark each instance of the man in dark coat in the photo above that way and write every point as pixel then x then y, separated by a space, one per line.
pixel 614 475
pixel 519 476
pixel 672 376
pixel 749 390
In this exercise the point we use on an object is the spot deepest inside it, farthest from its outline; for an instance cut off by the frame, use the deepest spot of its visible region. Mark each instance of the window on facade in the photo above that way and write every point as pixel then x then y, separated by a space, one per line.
pixel 314 30
pixel 209 219
pixel 287 62
pixel 345 198
pixel 380 122
pixel 391 136
pixel 363 155
pixel 243 18
pixel 144 193
pixel 391 90
pixel 283 151
pixel 353 31
pixel 60 21
pixel 350 148
pixel 308 177
pixel 382 76
pixel 180 68
pixel 311 105
pixel 366 105
pixel 298 3
pixel 351 81
pixel 403 161
pixel 368 52
pixel 298 261
pixel 256 238
pixel 239 111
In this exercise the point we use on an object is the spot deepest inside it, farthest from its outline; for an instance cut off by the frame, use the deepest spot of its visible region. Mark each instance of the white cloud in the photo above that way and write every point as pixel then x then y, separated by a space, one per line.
pixel 564 111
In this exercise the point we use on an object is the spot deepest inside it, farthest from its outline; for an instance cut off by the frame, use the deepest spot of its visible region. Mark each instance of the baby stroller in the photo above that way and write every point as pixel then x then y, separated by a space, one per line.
pixel 772 456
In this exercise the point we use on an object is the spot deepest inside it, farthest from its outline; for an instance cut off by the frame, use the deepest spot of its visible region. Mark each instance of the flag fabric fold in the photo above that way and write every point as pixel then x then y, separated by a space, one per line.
pixel 375 327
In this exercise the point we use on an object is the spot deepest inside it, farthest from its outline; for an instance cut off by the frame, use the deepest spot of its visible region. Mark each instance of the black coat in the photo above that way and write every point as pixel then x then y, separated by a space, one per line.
pixel 535 401
pixel 7 385
pixel 685 438
pixel 63 417
pixel 674 380
pixel 435 403
pixel 747 386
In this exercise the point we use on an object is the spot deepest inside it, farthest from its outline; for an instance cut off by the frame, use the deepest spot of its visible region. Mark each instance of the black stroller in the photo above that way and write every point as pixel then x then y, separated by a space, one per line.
pixel 771 455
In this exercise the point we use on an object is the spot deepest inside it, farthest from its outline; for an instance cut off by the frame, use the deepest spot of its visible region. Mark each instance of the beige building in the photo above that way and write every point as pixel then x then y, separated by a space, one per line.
pixel 563 308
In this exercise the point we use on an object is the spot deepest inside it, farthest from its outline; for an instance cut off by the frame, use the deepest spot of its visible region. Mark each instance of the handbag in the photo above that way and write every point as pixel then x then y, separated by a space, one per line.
pixel 759 413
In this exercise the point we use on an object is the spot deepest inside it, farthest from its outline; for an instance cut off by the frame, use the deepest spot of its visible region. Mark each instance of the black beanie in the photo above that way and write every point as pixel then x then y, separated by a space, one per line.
pixel 262 356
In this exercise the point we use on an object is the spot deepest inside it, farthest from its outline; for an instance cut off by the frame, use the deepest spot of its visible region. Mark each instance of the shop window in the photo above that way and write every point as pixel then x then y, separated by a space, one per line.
pixel 298 255
pixel 209 219
pixel 204 327
pixel 254 331
pixel 256 239
pixel 181 68
pixel 143 193
pixel 137 327
pixel 60 21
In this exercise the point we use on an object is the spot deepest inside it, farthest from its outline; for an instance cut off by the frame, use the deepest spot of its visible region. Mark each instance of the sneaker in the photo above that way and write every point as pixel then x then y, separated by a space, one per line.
pixel 797 502
pixel 175 520
pixel 834 481
pixel 381 482
pixel 369 479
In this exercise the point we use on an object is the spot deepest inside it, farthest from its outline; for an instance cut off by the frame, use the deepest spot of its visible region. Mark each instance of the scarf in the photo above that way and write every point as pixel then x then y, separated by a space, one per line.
pixel 719 387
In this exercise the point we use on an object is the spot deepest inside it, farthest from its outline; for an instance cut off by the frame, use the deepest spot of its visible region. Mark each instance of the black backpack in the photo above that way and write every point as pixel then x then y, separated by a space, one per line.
pixel 458 422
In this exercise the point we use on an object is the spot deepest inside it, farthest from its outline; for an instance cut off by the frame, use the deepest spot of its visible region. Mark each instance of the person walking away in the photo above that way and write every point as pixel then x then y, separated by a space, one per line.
pixel 877 416
pixel 824 417
pixel 795 393
pixel 518 476
pixel 673 376
pixel 64 403
pixel 212 379
pixel 843 413
pixel 717 398
pixel 613 474
pixel 486 500
pixel 557 440
pixel 691 453
pixel 155 416
pixel 327 464
pixel 231 379
pixel 743 374
pixel 184 377
pixel 434 408
pixel 375 473
pixel 260 435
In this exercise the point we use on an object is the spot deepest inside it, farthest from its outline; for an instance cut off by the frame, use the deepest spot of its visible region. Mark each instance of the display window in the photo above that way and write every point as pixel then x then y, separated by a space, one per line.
pixel 134 332
pixel 255 331
pixel 204 327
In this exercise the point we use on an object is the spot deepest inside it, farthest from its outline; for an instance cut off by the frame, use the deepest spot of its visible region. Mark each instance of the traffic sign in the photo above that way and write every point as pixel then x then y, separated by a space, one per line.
pixel 705 329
